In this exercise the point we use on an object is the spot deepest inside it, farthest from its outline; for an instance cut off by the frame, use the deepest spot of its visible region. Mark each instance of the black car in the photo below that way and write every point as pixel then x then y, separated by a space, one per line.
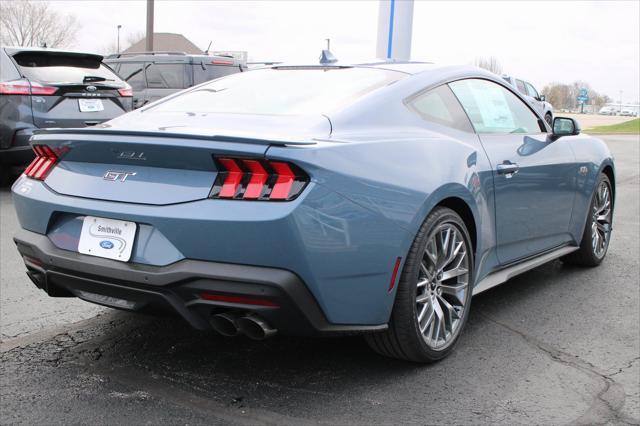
pixel 154 75
pixel 45 88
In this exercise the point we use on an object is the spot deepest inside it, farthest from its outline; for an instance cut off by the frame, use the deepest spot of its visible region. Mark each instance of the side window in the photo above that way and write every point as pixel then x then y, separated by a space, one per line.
pixel 532 91
pixel 133 73
pixel 520 86
pixel 494 109
pixel 166 76
pixel 440 106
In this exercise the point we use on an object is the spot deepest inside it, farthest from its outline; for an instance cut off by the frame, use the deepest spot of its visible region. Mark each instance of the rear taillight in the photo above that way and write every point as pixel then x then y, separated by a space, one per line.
pixel 126 91
pixel 45 160
pixel 24 87
pixel 257 179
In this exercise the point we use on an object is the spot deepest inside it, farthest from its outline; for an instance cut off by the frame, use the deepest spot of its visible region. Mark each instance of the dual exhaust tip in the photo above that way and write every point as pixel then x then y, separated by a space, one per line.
pixel 230 324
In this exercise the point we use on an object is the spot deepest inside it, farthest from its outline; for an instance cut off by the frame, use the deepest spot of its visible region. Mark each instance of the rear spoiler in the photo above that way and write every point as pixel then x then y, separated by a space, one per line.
pixel 215 138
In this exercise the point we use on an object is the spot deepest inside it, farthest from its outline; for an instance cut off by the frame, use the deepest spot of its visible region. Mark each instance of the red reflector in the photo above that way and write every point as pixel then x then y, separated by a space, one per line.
pixel 242 300
pixel 394 274
pixel 222 62
pixel 233 178
pixel 45 160
pixel 283 184
pixel 259 177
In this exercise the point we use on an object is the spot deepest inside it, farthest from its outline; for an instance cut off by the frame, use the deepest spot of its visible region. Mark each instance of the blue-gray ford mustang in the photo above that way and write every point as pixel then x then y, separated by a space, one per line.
pixel 316 200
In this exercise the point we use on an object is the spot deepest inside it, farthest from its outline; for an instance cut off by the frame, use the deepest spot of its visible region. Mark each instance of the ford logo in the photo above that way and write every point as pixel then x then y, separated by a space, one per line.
pixel 106 244
pixel 91 88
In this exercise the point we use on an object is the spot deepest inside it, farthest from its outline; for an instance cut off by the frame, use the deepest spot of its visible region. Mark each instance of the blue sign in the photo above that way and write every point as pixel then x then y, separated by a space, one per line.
pixel 106 244
pixel 584 93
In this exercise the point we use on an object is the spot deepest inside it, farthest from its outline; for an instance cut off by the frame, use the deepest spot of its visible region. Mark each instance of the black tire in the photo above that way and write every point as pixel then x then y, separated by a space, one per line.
pixel 586 255
pixel 549 119
pixel 403 339
pixel 5 175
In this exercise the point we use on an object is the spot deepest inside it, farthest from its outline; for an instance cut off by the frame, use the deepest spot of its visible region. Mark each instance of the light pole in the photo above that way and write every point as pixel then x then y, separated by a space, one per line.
pixel 118 50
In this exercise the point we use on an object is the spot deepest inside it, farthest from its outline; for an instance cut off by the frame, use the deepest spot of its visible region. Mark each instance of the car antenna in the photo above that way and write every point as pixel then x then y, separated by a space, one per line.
pixel 206 52
pixel 326 57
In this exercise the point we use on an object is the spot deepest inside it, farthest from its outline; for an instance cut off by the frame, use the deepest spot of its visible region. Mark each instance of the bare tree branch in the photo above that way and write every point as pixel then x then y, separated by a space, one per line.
pixel 34 23
pixel 490 64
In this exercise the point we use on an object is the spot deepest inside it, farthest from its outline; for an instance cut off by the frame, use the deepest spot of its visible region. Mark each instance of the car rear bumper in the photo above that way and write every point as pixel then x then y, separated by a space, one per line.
pixel 178 287
pixel 20 152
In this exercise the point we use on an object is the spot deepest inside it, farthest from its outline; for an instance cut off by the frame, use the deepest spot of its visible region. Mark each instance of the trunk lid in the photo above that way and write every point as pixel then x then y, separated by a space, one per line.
pixel 156 167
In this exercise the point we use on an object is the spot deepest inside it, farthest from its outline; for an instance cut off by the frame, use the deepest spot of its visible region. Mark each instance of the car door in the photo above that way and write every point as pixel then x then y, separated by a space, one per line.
pixel 537 104
pixel 534 178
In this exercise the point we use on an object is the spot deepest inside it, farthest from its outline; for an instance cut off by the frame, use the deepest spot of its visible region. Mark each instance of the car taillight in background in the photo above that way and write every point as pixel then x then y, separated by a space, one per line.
pixel 257 179
pixel 45 160
pixel 126 91
pixel 25 87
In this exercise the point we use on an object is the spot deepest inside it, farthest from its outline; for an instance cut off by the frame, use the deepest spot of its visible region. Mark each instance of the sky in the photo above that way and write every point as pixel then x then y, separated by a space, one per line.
pixel 540 41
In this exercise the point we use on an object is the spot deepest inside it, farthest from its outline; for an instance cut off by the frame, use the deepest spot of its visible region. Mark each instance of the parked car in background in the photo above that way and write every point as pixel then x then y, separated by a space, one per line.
pixel 628 112
pixel 316 200
pixel 537 101
pixel 42 88
pixel 608 110
pixel 154 75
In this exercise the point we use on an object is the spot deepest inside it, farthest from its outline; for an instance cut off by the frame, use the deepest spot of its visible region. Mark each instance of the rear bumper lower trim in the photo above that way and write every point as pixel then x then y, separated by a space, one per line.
pixel 176 287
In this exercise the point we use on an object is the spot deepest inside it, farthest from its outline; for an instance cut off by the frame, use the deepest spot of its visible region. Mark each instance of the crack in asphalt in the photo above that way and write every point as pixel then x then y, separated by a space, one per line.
pixel 611 397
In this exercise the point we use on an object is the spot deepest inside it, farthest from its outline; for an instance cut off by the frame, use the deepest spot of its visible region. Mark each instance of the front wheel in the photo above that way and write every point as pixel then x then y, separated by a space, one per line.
pixel 597 230
pixel 434 292
pixel 549 119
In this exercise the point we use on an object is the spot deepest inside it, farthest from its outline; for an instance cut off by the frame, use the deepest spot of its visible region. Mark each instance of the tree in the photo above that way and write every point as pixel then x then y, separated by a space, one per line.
pixel 490 64
pixel 565 96
pixel 33 23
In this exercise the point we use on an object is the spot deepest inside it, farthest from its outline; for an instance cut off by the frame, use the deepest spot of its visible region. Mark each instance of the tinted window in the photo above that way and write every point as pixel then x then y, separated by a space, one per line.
pixel 211 72
pixel 166 76
pixel 520 86
pixel 133 73
pixel 532 91
pixel 60 68
pixel 282 91
pixel 494 109
pixel 441 106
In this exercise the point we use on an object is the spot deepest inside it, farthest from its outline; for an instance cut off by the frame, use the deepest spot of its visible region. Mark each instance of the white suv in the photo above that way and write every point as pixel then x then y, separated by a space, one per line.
pixel 536 100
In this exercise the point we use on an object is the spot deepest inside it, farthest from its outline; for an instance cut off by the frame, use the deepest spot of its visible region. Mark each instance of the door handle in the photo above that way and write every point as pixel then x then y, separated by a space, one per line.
pixel 507 168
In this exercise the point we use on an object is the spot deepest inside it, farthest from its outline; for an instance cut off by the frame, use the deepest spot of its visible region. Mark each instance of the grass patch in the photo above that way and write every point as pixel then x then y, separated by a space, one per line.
pixel 627 127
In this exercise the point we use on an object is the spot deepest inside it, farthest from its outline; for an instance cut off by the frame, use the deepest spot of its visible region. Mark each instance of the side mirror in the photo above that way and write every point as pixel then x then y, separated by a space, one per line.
pixel 564 126
pixel 542 98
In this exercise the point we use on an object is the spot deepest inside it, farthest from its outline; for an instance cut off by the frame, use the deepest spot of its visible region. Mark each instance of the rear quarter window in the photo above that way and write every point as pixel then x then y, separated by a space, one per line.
pixel 440 106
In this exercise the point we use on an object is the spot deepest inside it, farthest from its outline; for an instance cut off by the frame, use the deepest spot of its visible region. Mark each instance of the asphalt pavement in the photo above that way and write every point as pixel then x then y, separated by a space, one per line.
pixel 557 345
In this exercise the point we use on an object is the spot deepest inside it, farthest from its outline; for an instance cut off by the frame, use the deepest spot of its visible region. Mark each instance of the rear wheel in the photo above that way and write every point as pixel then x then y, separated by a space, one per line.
pixel 434 292
pixel 597 230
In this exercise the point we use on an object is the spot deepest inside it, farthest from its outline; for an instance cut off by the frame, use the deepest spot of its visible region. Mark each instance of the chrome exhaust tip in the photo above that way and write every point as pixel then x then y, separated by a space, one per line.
pixel 255 327
pixel 225 324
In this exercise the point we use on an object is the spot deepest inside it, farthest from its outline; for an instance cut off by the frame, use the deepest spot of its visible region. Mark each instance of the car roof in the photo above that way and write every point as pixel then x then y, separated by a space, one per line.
pixel 406 67
pixel 177 57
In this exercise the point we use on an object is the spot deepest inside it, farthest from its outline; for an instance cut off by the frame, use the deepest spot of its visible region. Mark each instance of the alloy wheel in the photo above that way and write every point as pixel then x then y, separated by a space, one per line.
pixel 601 220
pixel 443 283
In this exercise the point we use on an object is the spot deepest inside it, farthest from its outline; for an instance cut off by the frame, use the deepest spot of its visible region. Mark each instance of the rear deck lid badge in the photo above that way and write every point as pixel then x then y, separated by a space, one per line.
pixel 113 175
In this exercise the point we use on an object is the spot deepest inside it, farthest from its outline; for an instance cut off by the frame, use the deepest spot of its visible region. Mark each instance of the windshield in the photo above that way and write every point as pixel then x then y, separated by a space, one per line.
pixel 287 91
pixel 71 69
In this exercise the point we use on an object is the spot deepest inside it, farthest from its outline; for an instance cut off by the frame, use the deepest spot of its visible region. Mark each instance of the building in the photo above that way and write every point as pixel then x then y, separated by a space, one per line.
pixel 166 42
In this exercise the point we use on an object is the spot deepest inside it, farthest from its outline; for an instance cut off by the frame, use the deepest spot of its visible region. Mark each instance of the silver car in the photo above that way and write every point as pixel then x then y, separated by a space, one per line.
pixel 537 101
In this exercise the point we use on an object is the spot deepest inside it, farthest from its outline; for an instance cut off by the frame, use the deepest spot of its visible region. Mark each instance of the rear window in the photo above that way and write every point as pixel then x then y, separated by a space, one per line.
pixel 59 68
pixel 211 72
pixel 287 91
pixel 166 76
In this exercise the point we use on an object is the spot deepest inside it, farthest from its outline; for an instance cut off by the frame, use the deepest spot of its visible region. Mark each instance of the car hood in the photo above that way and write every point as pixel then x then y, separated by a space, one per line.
pixel 250 126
